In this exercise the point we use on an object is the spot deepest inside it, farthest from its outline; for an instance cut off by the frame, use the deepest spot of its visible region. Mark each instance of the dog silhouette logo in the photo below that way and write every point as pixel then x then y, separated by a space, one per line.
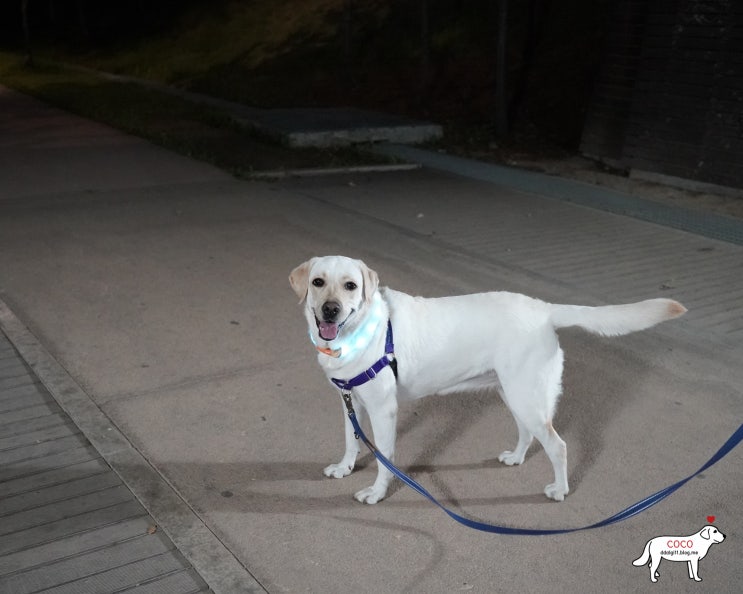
pixel 690 549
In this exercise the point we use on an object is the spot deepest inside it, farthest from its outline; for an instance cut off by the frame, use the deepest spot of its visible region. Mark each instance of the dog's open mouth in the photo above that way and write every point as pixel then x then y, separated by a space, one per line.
pixel 329 330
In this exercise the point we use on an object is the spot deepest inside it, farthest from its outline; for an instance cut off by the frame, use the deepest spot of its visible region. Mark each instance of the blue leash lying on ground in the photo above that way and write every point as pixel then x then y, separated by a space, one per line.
pixel 632 510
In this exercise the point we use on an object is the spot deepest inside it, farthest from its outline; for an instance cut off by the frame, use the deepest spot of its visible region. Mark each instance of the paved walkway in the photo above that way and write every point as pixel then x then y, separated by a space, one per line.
pixel 149 294
pixel 67 521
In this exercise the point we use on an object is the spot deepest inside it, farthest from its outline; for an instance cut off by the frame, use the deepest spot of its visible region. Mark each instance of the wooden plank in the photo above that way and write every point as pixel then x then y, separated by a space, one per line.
pixel 42 435
pixel 67 526
pixel 11 381
pixel 17 377
pixel 19 429
pixel 59 492
pixel 31 412
pixel 156 574
pixel 23 389
pixel 57 460
pixel 81 566
pixel 52 477
pixel 182 582
pixel 64 509
pixel 24 396
pixel 29 453
pixel 11 366
pixel 76 544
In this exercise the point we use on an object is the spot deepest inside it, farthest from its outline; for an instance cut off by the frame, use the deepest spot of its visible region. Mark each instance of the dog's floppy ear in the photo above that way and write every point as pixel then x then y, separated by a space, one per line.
pixel 371 282
pixel 705 533
pixel 299 279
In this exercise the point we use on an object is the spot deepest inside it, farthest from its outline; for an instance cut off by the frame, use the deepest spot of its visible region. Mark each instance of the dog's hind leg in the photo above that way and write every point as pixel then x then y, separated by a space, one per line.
pixel 556 451
pixel 531 393
pixel 532 423
pixel 516 456
pixel 654 563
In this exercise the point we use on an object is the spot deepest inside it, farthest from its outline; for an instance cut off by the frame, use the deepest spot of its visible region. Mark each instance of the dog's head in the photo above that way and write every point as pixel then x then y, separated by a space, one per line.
pixel 711 533
pixel 335 290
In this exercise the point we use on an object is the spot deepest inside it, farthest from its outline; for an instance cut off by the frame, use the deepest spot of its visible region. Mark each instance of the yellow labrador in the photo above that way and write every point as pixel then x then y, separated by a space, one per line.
pixel 500 340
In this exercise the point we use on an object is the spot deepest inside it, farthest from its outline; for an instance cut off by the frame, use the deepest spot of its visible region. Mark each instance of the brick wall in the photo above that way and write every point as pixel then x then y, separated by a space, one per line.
pixel 669 96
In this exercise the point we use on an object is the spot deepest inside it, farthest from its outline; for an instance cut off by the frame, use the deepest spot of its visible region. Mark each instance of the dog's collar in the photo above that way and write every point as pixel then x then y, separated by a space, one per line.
pixel 371 373
pixel 360 338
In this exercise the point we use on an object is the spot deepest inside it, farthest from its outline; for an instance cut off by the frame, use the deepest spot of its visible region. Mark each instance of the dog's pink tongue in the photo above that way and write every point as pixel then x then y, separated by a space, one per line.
pixel 328 330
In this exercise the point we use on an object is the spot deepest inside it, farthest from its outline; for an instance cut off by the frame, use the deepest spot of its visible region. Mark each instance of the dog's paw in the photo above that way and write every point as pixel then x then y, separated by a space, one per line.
pixel 511 458
pixel 370 495
pixel 337 470
pixel 554 492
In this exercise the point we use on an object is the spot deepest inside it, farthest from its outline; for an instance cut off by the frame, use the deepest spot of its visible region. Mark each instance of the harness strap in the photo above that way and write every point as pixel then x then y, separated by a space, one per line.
pixel 632 510
pixel 371 373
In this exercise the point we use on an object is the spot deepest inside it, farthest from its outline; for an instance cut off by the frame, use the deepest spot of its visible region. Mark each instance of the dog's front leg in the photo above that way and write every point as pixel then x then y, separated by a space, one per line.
pixel 383 416
pixel 345 466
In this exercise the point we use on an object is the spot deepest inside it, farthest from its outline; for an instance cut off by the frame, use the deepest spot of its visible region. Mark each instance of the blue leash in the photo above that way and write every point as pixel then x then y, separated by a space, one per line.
pixel 632 510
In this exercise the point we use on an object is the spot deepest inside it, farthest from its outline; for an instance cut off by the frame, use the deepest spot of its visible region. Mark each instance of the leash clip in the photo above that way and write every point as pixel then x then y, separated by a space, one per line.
pixel 346 394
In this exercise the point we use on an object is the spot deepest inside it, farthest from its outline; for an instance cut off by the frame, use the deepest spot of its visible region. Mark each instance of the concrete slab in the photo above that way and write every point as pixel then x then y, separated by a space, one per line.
pixel 308 127
pixel 328 127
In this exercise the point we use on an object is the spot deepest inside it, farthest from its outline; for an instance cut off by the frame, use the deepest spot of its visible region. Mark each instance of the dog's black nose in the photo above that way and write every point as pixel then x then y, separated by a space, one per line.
pixel 330 310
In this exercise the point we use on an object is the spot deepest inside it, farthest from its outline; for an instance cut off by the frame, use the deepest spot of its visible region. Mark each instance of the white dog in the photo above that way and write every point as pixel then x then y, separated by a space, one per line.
pixel 679 548
pixel 498 340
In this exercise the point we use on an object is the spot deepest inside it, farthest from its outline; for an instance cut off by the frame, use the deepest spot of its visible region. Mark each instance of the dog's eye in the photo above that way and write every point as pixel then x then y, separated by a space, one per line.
pixel 318 282
pixel 350 286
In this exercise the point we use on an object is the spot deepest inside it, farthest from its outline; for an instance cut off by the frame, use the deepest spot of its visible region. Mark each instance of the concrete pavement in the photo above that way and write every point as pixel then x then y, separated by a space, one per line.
pixel 159 285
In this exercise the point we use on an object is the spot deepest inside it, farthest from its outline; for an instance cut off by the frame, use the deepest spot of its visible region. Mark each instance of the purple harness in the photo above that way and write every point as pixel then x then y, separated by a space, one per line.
pixel 371 373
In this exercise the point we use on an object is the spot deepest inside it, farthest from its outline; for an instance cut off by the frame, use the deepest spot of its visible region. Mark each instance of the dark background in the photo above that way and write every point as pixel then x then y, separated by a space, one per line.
pixel 651 85
pixel 434 59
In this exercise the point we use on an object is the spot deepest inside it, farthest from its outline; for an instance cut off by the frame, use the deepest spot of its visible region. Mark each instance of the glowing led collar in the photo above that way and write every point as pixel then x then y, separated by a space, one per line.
pixel 360 338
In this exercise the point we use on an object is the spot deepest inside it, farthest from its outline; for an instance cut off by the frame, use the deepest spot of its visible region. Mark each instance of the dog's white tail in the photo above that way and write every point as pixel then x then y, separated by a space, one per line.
pixel 644 559
pixel 614 320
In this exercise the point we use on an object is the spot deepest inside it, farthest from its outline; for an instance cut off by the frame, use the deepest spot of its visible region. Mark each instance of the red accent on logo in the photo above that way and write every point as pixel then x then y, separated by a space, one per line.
pixel 710 519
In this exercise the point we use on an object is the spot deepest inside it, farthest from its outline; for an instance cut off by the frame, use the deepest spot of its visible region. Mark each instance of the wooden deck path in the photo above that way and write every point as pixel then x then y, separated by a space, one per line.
pixel 67 522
